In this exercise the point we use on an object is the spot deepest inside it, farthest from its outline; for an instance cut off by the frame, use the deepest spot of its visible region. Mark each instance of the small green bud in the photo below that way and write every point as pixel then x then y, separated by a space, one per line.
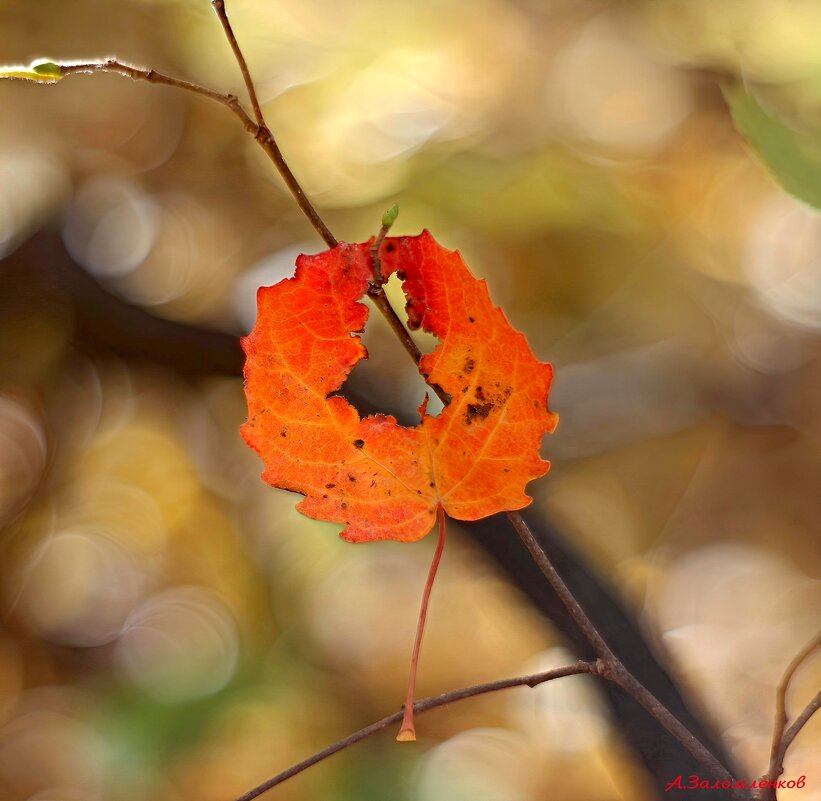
pixel 41 70
pixel 46 68
pixel 389 217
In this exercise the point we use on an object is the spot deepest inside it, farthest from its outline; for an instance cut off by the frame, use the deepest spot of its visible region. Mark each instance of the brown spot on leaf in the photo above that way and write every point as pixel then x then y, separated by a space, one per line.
pixel 359 443
pixel 478 410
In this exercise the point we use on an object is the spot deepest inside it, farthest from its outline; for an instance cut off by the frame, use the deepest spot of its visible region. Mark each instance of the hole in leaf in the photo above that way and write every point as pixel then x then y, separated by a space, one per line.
pixel 387 381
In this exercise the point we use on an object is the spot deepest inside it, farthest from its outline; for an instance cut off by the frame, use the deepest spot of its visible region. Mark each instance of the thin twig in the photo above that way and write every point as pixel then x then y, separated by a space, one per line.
pixel 778 749
pixel 419 707
pixel 219 8
pixel 152 76
pixel 809 710
pixel 266 139
pixel 261 133
pixel 613 669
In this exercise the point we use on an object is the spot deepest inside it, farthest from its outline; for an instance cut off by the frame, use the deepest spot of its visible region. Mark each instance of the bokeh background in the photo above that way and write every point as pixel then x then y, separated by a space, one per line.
pixel 169 626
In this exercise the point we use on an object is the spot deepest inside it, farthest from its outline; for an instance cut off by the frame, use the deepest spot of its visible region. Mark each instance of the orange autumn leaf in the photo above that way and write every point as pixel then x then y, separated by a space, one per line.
pixel 378 478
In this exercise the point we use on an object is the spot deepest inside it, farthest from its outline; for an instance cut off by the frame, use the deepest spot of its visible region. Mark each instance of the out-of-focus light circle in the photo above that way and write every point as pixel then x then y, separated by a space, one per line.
pixel 406 116
pixel 111 227
pixel 605 90
pixel 48 753
pixel 708 591
pixel 564 715
pixel 733 616
pixel 783 260
pixel 31 185
pixel 476 765
pixel 22 455
pixel 375 633
pixel 769 344
pixel 77 587
pixel 269 271
pixel 181 643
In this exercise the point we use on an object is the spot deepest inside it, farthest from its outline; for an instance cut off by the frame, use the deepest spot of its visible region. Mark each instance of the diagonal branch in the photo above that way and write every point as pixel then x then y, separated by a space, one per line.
pixel 613 668
pixel 418 708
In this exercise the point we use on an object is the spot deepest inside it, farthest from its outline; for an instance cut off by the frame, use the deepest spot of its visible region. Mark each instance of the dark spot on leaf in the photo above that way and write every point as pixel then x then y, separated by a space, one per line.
pixel 351 477
pixel 478 410
pixel 324 496
pixel 359 443
pixel 373 483
pixel 283 433
pixel 390 247
pixel 470 319
pixel 432 484
pixel 418 492
pixel 400 274
pixel 330 486
pixel 469 365
pixel 344 505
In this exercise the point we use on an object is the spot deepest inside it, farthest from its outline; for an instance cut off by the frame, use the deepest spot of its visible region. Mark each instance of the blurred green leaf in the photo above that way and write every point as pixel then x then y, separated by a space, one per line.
pixel 793 157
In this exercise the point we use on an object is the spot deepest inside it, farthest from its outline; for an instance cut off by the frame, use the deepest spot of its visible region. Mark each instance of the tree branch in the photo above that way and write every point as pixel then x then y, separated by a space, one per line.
pixel 419 707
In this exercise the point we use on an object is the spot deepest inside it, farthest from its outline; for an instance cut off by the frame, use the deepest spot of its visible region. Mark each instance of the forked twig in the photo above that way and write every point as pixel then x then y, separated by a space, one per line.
pixel 783 736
